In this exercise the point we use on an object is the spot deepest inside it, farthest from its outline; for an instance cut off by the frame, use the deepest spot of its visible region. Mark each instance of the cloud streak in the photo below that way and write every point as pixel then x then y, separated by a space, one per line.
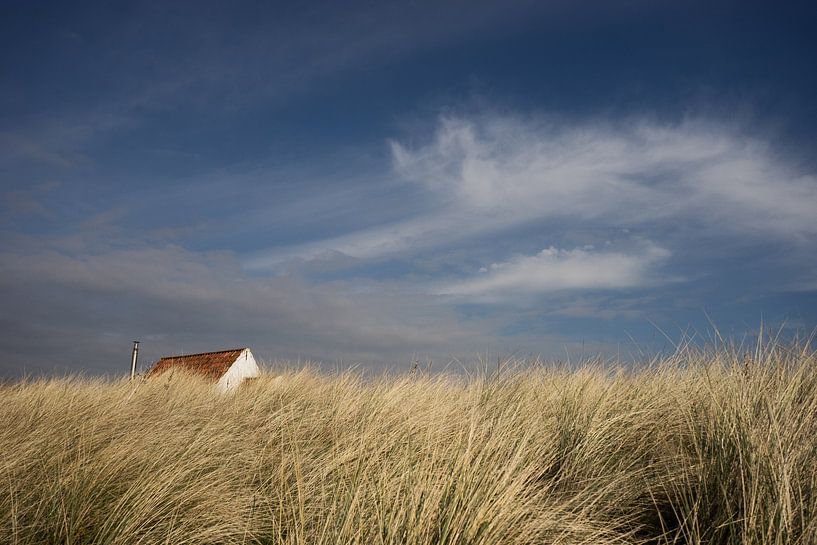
pixel 488 181
pixel 630 172
pixel 489 174
pixel 554 270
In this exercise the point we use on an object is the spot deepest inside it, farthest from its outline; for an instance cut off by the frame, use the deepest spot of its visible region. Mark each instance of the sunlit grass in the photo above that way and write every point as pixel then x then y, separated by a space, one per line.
pixel 696 448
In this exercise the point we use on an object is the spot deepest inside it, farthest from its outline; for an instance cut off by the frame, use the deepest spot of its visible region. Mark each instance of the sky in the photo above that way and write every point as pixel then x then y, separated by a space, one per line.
pixel 376 183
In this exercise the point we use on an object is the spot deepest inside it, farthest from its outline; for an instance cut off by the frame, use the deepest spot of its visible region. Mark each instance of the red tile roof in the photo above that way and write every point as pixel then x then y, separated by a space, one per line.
pixel 210 364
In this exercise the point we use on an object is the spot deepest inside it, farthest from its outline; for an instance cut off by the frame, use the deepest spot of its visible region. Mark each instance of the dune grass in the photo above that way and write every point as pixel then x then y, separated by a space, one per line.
pixel 700 447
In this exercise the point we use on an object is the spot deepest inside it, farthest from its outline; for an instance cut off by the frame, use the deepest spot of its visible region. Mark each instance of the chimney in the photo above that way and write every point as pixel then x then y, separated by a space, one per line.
pixel 133 357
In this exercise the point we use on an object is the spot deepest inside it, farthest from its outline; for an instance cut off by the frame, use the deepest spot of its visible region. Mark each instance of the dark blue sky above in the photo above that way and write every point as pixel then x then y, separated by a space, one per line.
pixel 373 182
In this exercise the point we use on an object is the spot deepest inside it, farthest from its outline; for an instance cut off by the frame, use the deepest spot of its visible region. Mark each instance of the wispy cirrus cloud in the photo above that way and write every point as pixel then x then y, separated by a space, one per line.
pixel 615 173
pixel 485 178
pixel 554 270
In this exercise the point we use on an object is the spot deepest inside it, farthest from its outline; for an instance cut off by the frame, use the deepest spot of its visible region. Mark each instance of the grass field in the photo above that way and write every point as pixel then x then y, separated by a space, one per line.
pixel 715 447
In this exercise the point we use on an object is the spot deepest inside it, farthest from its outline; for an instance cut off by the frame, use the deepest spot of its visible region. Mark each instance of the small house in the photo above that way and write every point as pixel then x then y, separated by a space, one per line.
pixel 227 368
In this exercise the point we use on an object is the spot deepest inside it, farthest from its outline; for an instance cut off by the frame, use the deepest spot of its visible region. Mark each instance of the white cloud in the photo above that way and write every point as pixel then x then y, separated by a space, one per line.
pixel 553 270
pixel 632 172
pixel 485 175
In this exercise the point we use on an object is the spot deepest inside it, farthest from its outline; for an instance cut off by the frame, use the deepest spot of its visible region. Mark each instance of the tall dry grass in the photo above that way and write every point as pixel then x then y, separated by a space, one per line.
pixel 696 448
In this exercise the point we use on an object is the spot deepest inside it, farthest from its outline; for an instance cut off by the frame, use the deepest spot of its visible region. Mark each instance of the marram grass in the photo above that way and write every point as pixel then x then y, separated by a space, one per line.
pixel 699 448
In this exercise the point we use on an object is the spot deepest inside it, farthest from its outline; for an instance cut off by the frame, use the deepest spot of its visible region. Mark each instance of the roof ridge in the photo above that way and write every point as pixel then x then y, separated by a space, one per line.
pixel 204 353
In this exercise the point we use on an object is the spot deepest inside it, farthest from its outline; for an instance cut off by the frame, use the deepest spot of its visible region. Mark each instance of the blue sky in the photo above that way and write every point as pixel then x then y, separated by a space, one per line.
pixel 374 182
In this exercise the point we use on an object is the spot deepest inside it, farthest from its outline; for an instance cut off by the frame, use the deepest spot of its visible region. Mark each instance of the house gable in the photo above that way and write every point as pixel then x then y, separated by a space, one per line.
pixel 244 367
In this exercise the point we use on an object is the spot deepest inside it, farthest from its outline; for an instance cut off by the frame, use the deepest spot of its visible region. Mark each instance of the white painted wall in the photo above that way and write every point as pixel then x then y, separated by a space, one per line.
pixel 243 367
